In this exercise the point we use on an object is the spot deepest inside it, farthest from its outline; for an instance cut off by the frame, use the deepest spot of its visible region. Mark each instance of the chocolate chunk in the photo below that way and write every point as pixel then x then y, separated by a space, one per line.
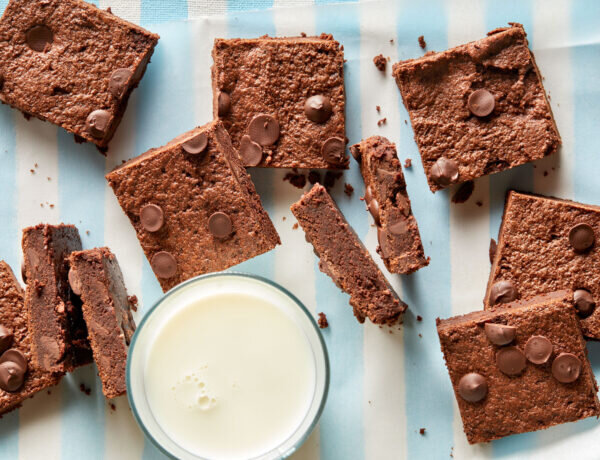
pixel 152 217
pixel 373 207
pixel 15 356
pixel 223 103
pixel 444 172
pixel 481 103
pixel 74 281
pixel 97 123
pixel 566 368
pixel 164 264
pixel 355 151
pixel 6 338
pixel 318 108
pixel 464 192
pixel 502 291
pixel 39 38
pixel 510 360
pixel 118 81
pixel 196 144
pixel 398 227
pixel 11 376
pixel 384 244
pixel 472 387
pixel 581 237
pixel 250 151
pixel 500 334
pixel 538 349
pixel 219 224
pixel 333 150
pixel 584 302
pixel 264 129
pixel 492 250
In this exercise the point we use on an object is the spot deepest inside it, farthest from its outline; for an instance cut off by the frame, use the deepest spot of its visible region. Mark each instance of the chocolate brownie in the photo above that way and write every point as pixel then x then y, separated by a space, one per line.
pixel 387 200
pixel 20 378
pixel 58 333
pixel 345 259
pixel 477 109
pixel 521 367
pixel 282 100
pixel 72 64
pixel 193 206
pixel 96 277
pixel 547 244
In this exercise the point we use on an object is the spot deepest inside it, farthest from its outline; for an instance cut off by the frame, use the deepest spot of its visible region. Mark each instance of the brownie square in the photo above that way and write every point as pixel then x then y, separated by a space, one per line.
pixel 193 206
pixel 345 259
pixel 15 348
pixel 477 109
pixel 282 100
pixel 521 367
pixel 96 277
pixel 540 250
pixel 72 64
pixel 58 333
pixel 387 200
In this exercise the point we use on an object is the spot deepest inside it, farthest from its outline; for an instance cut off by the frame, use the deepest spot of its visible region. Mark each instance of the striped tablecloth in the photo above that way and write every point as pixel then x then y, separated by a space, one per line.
pixel 385 386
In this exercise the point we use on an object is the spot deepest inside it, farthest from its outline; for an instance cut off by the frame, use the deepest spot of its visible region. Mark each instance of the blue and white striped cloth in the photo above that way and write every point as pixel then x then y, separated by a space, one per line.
pixel 385 386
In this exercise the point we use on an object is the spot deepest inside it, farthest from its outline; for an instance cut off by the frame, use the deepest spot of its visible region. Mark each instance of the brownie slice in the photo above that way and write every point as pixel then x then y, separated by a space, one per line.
pixel 546 244
pixel 521 367
pixel 58 333
pixel 387 200
pixel 477 109
pixel 193 206
pixel 345 259
pixel 95 275
pixel 72 64
pixel 20 377
pixel 282 100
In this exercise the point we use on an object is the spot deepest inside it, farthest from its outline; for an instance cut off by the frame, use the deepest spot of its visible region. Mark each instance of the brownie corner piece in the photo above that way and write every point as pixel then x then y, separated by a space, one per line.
pixel 520 367
pixel 193 206
pixel 282 100
pixel 478 108
pixel 72 64
pixel 386 198
pixel 96 277
pixel 344 258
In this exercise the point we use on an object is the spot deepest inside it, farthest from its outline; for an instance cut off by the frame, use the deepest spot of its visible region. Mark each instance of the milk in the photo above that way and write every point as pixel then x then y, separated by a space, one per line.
pixel 229 374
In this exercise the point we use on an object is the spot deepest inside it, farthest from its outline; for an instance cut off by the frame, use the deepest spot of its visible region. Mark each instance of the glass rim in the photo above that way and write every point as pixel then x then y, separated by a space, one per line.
pixel 325 355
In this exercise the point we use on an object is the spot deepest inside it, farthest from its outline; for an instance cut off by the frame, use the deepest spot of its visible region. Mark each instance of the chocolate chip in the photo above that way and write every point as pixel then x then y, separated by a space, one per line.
pixel 196 144
pixel 11 376
pixel 566 368
pixel 118 81
pixel 444 172
pixel 355 151
pixel 223 103
pixel 584 302
pixel 164 264
pixel 39 38
pixel 373 207
pixel 15 356
pixel 472 387
pixel 502 291
pixel 510 360
pixel 384 244
pixel 97 123
pixel 74 281
pixel 6 338
pixel 492 250
pixel 219 224
pixel 333 151
pixel 581 237
pixel 481 103
pixel 152 217
pixel 500 334
pixel 398 227
pixel 318 108
pixel 538 349
pixel 264 129
pixel 250 151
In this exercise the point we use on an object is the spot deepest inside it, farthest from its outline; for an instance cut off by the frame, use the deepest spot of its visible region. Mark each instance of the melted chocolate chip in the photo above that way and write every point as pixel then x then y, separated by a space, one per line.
pixel 581 237
pixel 223 103
pixel 502 291
pixel 566 368
pixel 12 376
pixel 373 207
pixel 74 281
pixel 444 172
pixel 333 151
pixel 472 387
pixel 318 108
pixel 15 356
pixel 152 217
pixel 39 38
pixel 250 151
pixel 264 129
pixel 219 224
pixel 584 302
pixel 510 360
pixel 368 195
pixel 538 349
pixel 481 103
pixel 196 144
pixel 97 123
pixel 355 151
pixel 492 250
pixel 118 82
pixel 164 265
pixel 500 334
pixel 6 338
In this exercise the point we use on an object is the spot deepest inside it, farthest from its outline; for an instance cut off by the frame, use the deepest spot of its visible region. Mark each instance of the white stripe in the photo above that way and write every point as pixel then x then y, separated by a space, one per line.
pixel 469 223
pixel 202 8
pixel 130 10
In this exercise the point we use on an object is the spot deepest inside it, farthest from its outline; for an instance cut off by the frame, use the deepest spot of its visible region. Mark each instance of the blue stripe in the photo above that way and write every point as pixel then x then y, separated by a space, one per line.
pixel 157 11
pixel 247 5
pixel 342 431
pixel 428 389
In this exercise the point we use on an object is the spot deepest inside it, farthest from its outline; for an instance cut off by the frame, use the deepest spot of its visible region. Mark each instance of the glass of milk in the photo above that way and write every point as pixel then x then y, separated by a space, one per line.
pixel 228 366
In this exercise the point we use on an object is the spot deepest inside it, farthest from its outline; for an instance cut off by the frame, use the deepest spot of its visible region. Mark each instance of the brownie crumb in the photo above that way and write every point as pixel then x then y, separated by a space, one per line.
pixel 380 62
pixel 348 189
pixel 49 392
pixel 87 232
pixel 493 247
pixel 32 171
pixel 419 318
pixel 545 173
pixel 422 431
pixel 295 226
pixel 479 203
pixel 408 163
pixel 133 301
pixel 303 34
pixel 109 10
pixel 35 165
pixel 323 321
pixel 113 407
pixel 420 336
pixel 405 122
pixel 378 108
pixel 283 218
pixel 422 42
pixel 51 206
pixel 295 178
pixel 391 40
pixel 314 177
pixel 383 121
pixel 464 192
pixel 84 389
pixel 331 178
pixel 49 179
